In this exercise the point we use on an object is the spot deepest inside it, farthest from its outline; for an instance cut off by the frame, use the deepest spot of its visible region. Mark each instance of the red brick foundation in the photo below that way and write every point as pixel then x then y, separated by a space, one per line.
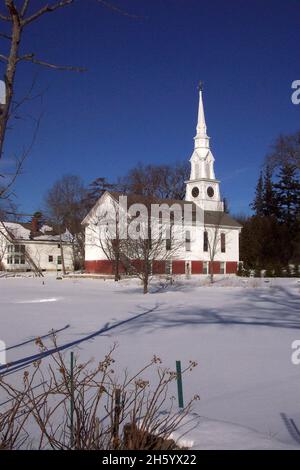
pixel 159 267
pixel 197 267
pixel 178 267
pixel 216 267
pixel 100 266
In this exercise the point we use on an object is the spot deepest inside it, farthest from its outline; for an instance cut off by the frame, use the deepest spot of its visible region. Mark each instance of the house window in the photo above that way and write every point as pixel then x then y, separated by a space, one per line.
pixel 223 243
pixel 205 267
pixel 205 241
pixel 50 259
pixel 58 245
pixel 222 267
pixel 187 240
pixel 16 249
pixel 59 260
pixel 16 254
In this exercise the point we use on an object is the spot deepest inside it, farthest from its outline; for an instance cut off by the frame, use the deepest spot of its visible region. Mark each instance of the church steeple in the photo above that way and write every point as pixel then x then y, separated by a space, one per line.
pixel 203 187
pixel 201 138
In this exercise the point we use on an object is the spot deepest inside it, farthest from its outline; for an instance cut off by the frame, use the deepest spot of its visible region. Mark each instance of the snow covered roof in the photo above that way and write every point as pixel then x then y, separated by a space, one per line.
pixel 220 218
pixel 23 231
pixel 210 217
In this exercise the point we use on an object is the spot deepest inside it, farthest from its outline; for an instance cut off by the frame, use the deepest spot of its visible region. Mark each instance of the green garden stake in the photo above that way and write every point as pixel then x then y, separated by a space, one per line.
pixel 179 384
pixel 116 422
pixel 72 400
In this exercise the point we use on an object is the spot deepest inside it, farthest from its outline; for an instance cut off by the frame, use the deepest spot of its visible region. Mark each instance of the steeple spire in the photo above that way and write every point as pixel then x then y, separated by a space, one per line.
pixel 201 138
pixel 203 187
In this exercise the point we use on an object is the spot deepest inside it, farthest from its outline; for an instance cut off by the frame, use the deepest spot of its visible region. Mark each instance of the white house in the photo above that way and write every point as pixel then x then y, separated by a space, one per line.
pixel 30 247
pixel 211 236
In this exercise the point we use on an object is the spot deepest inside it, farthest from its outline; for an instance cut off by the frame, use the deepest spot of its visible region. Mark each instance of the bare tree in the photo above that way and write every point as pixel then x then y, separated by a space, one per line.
pixel 285 150
pixel 212 242
pixel 155 244
pixel 161 181
pixel 16 18
pixel 65 208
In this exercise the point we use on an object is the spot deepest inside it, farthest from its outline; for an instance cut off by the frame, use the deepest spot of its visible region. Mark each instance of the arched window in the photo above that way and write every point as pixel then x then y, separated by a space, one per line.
pixel 205 241
pixel 223 243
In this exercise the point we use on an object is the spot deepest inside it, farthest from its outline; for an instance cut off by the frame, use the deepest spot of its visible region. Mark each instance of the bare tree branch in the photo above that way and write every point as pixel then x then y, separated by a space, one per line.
pixel 46 9
pixel 4 18
pixel 5 36
pixel 24 8
pixel 5 192
pixel 118 10
pixel 18 16
pixel 31 58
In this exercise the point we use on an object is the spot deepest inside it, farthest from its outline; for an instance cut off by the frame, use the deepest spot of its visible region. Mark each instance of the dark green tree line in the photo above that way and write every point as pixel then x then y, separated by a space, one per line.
pixel 271 236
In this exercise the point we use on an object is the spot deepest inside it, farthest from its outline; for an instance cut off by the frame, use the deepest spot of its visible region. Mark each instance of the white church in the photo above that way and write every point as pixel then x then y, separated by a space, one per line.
pixel 210 245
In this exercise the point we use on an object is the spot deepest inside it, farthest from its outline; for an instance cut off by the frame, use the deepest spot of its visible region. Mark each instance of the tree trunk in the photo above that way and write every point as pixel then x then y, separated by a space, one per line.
pixel 62 255
pixel 117 268
pixel 10 73
pixel 211 272
pixel 146 282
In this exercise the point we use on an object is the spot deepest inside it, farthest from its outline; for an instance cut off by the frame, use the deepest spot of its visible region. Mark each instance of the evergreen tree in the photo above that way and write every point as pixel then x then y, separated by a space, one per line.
pixel 270 203
pixel 296 270
pixel 258 203
pixel 96 189
pixel 288 195
pixel 278 270
pixel 269 271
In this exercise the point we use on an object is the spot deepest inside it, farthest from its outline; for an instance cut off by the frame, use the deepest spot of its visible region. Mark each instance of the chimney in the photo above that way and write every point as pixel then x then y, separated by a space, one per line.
pixel 34 224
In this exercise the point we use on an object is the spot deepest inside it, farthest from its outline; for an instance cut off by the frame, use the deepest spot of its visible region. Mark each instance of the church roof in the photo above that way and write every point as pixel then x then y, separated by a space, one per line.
pixel 210 217
pixel 147 200
pixel 220 218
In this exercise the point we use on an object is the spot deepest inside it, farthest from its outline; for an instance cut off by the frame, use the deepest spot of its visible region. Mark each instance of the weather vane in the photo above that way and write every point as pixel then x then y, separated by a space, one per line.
pixel 200 85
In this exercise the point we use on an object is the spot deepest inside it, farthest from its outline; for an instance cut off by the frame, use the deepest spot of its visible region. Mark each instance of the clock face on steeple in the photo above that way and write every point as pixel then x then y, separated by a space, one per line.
pixel 210 191
pixel 195 191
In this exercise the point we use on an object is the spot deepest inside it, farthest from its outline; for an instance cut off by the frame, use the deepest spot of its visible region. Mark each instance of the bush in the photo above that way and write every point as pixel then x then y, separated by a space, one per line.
pixel 296 270
pixel 287 271
pixel 257 271
pixel 278 272
pixel 90 408
pixel 269 271
pixel 243 270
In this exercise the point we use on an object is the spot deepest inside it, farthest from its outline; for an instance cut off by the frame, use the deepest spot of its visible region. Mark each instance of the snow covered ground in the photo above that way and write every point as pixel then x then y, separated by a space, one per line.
pixel 239 331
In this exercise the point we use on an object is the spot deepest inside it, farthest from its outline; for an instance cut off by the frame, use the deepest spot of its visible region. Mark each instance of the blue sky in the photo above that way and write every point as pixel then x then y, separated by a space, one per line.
pixel 137 102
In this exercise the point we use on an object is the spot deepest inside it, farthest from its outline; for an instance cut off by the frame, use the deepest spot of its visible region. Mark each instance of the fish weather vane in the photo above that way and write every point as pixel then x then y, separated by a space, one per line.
pixel 200 85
